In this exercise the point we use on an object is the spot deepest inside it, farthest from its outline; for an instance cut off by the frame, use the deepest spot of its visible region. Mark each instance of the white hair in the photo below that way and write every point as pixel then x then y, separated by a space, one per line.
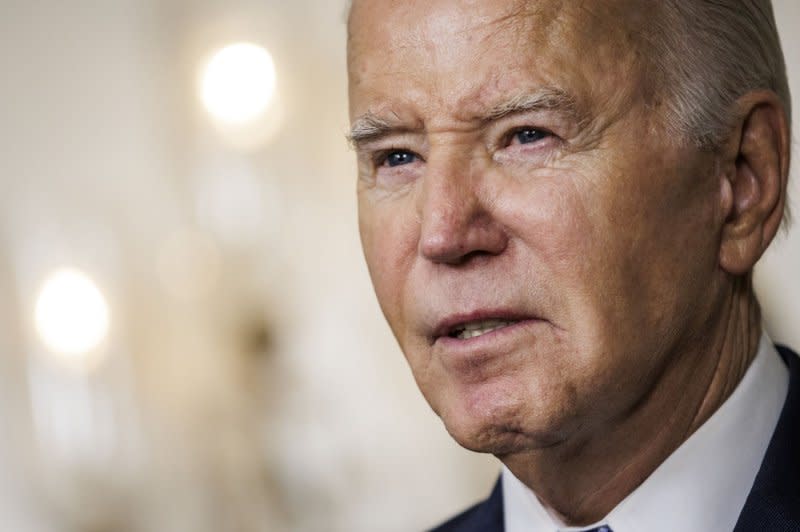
pixel 706 54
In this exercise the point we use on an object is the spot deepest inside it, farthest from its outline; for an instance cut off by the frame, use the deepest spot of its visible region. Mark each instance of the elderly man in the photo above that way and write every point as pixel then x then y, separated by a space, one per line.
pixel 561 203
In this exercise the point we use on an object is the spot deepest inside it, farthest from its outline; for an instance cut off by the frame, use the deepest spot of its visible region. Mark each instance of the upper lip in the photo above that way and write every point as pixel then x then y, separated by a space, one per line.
pixel 453 322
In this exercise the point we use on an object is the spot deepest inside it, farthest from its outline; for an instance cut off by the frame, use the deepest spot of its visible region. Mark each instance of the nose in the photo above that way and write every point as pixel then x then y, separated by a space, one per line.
pixel 457 221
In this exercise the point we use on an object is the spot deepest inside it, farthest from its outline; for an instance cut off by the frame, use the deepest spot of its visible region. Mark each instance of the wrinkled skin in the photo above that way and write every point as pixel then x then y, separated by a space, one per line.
pixel 581 220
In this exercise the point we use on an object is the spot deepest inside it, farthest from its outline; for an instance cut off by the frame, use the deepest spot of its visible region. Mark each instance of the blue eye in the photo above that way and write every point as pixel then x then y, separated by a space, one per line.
pixel 399 158
pixel 529 135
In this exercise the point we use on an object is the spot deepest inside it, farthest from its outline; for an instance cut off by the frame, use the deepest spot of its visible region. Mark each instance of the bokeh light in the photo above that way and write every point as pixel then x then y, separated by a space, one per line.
pixel 72 315
pixel 238 83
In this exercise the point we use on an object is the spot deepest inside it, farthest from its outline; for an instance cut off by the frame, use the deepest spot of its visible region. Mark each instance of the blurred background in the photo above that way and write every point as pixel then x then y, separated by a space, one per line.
pixel 188 337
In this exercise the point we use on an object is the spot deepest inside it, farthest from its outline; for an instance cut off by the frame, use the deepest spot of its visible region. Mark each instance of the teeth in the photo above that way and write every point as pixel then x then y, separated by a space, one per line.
pixel 479 328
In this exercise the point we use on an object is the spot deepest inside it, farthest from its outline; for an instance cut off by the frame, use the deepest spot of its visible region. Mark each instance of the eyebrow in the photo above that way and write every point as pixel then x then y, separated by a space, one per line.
pixel 544 99
pixel 370 127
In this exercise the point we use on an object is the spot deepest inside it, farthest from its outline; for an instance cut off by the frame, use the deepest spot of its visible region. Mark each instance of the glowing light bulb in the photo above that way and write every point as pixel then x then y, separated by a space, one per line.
pixel 238 83
pixel 71 313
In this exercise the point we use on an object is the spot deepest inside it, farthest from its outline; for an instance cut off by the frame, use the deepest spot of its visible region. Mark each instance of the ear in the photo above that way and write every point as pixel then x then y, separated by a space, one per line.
pixel 756 163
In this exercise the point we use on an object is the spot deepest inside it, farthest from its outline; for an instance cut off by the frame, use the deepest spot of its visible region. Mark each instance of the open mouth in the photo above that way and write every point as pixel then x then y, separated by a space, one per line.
pixel 465 331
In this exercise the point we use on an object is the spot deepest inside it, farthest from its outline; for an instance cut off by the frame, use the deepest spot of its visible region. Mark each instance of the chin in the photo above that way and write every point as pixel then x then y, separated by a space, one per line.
pixel 499 425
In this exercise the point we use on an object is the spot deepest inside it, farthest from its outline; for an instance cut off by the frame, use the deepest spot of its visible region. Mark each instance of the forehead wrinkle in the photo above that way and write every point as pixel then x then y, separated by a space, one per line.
pixel 528 20
pixel 497 24
pixel 533 24
pixel 521 19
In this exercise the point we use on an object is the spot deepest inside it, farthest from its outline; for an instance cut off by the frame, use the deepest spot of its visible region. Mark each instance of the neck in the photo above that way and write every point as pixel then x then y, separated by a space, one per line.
pixel 583 481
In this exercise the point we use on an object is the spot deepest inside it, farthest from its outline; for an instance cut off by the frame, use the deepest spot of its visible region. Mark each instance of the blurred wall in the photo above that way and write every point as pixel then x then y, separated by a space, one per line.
pixel 777 279
pixel 253 384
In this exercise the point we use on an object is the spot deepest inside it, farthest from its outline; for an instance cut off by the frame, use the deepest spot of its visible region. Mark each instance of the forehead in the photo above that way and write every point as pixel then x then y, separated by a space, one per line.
pixel 404 23
pixel 465 52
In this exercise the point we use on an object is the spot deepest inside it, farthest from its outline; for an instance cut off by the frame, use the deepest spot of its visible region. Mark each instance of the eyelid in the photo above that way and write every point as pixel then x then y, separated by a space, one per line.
pixel 513 133
pixel 530 127
pixel 380 157
pixel 503 138
pixel 551 123
pixel 378 149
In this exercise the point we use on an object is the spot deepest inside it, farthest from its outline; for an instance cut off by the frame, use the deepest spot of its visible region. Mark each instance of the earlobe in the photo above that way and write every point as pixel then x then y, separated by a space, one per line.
pixel 753 192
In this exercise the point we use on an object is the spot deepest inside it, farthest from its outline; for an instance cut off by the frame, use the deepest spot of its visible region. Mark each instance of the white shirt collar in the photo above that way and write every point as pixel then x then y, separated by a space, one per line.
pixel 703 485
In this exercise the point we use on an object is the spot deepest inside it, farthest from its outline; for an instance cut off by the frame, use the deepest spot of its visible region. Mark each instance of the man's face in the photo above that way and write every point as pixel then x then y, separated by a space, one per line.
pixel 540 248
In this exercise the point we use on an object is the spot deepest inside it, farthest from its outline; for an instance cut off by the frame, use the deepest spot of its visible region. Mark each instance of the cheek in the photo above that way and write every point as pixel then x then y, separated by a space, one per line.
pixel 389 244
pixel 628 253
pixel 552 222
pixel 580 240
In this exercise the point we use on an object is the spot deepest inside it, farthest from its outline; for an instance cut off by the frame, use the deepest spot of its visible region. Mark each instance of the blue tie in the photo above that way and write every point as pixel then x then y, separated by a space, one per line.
pixel 603 528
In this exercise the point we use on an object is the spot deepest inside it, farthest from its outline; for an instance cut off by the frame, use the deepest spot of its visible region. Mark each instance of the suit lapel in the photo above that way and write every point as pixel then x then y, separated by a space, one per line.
pixel 774 501
pixel 491 517
pixel 486 516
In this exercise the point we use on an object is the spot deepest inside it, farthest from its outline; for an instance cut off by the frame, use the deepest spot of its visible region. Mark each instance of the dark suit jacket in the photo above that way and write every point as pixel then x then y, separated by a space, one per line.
pixel 774 501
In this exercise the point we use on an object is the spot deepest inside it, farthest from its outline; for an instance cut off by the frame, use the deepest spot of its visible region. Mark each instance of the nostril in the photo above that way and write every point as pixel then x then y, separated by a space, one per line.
pixel 444 253
pixel 468 248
